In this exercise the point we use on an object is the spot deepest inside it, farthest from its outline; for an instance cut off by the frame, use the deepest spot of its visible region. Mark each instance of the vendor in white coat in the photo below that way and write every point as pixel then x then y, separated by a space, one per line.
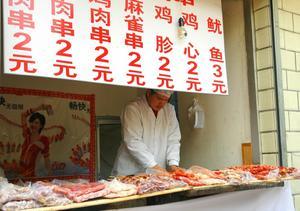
pixel 151 135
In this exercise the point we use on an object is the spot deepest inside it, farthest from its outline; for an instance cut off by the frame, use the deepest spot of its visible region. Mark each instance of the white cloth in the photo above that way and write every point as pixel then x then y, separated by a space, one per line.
pixel 269 199
pixel 147 140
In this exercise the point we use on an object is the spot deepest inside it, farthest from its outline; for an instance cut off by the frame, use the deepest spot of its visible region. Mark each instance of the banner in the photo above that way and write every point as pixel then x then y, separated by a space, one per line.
pixel 168 44
pixel 45 135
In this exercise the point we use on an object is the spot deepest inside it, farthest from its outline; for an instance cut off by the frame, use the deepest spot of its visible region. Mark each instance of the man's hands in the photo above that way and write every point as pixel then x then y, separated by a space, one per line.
pixel 158 169
pixel 174 168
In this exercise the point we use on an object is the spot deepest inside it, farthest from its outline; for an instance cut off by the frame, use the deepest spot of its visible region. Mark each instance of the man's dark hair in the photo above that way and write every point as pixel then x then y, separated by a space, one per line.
pixel 40 117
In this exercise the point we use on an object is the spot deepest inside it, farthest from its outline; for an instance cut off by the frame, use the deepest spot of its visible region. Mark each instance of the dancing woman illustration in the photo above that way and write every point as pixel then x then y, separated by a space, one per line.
pixel 35 143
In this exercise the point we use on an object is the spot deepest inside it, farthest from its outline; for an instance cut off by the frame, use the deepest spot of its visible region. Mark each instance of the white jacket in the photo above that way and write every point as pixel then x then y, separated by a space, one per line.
pixel 147 140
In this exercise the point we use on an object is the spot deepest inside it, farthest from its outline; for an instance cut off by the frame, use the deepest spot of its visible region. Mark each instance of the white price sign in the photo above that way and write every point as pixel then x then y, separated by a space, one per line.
pixel 168 44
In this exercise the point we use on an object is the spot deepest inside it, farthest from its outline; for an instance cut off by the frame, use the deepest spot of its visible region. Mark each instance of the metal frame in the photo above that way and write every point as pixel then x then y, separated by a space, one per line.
pixel 278 83
pixel 249 36
pixel 102 120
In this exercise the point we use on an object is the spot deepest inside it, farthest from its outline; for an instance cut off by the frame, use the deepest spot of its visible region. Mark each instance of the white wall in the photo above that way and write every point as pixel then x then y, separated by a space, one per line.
pixel 227 125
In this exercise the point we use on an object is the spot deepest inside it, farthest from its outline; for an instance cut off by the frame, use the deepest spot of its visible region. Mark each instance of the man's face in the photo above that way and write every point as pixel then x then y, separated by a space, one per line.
pixel 157 101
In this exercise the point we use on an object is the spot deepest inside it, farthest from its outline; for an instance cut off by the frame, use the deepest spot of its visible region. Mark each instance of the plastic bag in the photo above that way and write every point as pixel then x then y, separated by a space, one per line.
pixel 20 205
pixel 44 193
pixel 119 189
pixel 204 173
pixel 236 177
pixel 10 192
pixel 196 115
pixel 273 174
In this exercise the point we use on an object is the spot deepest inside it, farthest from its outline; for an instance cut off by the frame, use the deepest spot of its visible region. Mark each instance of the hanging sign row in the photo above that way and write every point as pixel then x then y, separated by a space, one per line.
pixel 168 44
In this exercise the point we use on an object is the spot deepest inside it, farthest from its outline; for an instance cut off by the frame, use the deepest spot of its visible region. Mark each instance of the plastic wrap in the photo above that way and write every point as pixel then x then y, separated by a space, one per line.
pixel 73 190
pixel 92 195
pixel 273 174
pixel 45 195
pixel 188 177
pixel 20 205
pixel 236 177
pixel 152 184
pixel 289 173
pixel 120 189
pixel 10 192
pixel 172 183
pixel 204 173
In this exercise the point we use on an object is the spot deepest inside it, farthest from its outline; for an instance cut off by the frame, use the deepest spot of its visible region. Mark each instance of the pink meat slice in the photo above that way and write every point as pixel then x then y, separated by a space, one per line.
pixel 76 190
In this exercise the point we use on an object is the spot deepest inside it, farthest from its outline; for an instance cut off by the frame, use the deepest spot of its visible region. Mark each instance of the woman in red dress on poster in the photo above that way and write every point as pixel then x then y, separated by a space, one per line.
pixel 34 143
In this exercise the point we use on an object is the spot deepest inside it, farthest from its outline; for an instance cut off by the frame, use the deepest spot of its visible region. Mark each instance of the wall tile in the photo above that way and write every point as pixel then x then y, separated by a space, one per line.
pixel 291 5
pixel 269 142
pixel 288 60
pixel 296 19
pixel 265 79
pixel 266 100
pixel 263 38
pixel 270 159
pixel 292 41
pixel 293 141
pixel 290 100
pixel 262 18
pixel 293 80
pixel 267 120
pixel 257 4
pixel 294 120
pixel 264 58
pixel 285 20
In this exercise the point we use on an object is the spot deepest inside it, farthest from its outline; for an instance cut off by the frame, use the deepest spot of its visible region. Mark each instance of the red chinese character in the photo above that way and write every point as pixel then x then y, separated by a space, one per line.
pixel 218 72
pixel 136 77
pixel 185 2
pixel 214 26
pixel 62 27
pixel 188 2
pixel 28 3
pixel 106 3
pixel 21 19
pixel 22 60
pixel 163 13
pixel 163 45
pixel 100 34
pixel 187 51
pixel 99 15
pixel 219 85
pixel 60 6
pixel 134 6
pixel 190 20
pixel 194 84
pixel 134 40
pixel 216 55
pixel 65 66
pixel 103 72
pixel 134 24
pixel 166 81
pixel 193 68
